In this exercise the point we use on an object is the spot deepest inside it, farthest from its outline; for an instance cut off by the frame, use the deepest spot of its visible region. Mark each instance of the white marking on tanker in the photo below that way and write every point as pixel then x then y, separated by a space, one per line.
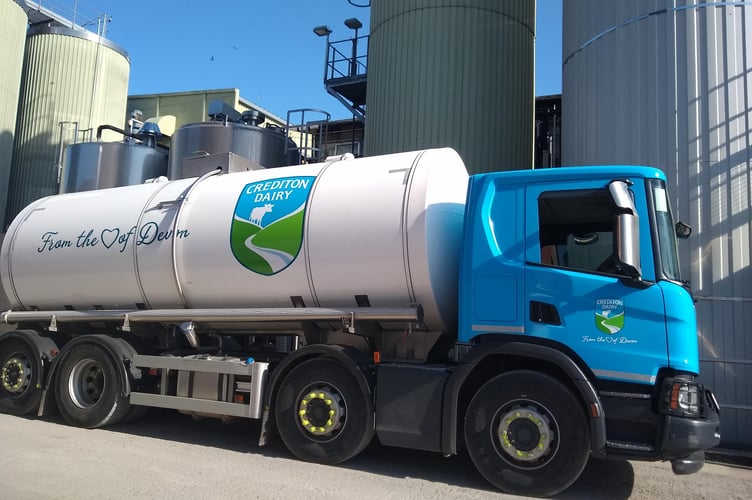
pixel 273 196
pixel 277 259
pixel 258 213
pixel 277 184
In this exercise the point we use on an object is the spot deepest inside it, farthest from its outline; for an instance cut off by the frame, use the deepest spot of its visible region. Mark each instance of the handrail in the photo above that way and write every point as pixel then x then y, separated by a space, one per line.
pixel 341 63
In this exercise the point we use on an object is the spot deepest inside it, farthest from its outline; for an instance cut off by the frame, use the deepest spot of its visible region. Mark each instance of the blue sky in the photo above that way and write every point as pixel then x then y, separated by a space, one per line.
pixel 266 48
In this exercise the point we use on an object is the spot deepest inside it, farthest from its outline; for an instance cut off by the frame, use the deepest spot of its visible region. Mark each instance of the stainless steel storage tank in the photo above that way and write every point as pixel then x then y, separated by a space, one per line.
pixel 13 23
pixel 73 81
pixel 100 165
pixel 263 146
pixel 667 83
pixel 457 74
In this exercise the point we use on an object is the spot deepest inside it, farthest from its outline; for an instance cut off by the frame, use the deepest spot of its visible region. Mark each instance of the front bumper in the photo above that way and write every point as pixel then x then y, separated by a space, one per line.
pixel 686 438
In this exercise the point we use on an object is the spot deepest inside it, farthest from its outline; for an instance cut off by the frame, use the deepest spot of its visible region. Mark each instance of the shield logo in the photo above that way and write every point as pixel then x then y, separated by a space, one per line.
pixel 267 228
pixel 609 315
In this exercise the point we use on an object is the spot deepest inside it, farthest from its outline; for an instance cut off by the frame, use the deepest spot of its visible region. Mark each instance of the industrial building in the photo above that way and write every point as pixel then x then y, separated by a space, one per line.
pixel 666 83
pixel 662 83
pixel 193 106
pixel 72 81
pixel 428 88
pixel 13 24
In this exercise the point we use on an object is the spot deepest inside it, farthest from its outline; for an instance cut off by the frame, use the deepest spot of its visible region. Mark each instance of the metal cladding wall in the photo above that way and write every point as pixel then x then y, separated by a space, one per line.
pixel 667 83
pixel 456 73
pixel 69 75
pixel 13 23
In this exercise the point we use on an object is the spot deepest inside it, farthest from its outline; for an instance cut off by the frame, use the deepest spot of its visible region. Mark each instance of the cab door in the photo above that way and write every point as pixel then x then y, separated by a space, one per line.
pixel 577 294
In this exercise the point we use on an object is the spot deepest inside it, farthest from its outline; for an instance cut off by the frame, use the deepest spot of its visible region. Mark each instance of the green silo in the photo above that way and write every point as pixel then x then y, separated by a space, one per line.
pixel 73 82
pixel 456 73
pixel 13 23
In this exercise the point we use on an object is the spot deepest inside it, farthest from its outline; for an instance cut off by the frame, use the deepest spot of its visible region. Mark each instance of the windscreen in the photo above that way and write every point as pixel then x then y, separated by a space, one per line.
pixel 668 258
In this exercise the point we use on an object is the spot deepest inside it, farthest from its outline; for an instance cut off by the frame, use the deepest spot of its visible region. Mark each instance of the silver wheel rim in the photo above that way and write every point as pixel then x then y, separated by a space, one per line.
pixel 86 383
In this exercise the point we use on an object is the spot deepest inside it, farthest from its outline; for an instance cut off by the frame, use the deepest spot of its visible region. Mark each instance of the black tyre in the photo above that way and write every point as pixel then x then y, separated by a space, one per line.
pixel 322 414
pixel 527 434
pixel 21 378
pixel 88 390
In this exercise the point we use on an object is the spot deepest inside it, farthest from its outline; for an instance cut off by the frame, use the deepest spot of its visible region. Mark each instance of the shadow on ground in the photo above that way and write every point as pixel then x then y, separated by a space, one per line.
pixel 600 479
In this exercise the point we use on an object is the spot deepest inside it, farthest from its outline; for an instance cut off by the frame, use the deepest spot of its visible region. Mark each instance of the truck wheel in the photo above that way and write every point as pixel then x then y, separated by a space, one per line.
pixel 527 434
pixel 20 378
pixel 88 390
pixel 322 414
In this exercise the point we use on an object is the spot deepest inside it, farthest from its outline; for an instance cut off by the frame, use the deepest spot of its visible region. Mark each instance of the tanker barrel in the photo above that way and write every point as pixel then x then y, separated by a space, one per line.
pixel 386 227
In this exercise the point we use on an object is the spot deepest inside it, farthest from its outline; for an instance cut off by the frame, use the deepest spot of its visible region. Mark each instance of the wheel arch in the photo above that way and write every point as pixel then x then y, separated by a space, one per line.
pixel 352 359
pixel 116 348
pixel 491 358
pixel 45 348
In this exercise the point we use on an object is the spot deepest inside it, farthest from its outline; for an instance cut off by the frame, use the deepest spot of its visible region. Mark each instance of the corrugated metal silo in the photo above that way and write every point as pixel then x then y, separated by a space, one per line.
pixel 13 23
pixel 668 83
pixel 73 81
pixel 457 74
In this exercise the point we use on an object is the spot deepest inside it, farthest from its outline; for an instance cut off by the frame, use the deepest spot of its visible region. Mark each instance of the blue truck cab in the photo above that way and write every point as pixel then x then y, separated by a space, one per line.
pixel 570 277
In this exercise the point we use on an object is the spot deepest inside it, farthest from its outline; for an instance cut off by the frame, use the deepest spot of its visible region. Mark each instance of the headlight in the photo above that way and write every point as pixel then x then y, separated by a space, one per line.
pixel 681 397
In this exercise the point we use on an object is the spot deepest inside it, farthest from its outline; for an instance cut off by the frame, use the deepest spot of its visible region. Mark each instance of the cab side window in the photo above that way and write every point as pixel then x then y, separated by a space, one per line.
pixel 577 230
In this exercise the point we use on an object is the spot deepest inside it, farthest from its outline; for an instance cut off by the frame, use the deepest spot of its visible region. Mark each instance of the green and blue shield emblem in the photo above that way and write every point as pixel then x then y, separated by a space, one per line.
pixel 609 315
pixel 267 228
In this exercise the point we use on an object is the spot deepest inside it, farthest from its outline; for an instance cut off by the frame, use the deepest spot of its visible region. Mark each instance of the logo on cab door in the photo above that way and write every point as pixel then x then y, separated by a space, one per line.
pixel 609 315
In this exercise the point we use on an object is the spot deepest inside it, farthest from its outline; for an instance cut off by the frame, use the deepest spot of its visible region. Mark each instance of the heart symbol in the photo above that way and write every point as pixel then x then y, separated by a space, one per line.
pixel 109 237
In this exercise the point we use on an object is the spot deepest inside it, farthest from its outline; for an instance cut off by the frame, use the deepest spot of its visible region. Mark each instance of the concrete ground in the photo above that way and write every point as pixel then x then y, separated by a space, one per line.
pixel 169 456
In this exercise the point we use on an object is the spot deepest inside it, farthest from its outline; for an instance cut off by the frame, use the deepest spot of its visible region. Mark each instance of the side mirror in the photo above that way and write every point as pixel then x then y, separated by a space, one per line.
pixel 682 230
pixel 627 245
